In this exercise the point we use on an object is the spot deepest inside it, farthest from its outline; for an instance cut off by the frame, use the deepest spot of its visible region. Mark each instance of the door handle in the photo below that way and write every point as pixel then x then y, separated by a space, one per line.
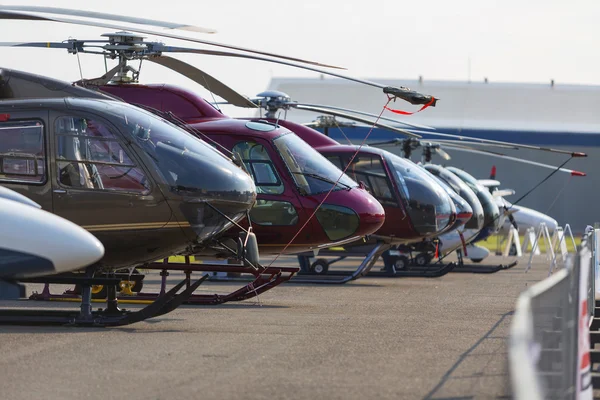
pixel 61 191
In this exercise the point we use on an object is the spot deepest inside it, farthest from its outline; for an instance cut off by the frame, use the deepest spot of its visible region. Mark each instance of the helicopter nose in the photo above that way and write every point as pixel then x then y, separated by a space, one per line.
pixel 464 213
pixel 41 243
pixel 226 193
pixel 446 221
pixel 352 213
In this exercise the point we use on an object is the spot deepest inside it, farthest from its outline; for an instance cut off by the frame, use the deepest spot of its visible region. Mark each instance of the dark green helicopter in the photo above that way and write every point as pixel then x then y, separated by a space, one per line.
pixel 144 187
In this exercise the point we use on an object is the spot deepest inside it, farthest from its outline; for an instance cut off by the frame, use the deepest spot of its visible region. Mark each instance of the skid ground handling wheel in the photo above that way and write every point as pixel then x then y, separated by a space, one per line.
pixel 319 267
pixel 395 266
pixel 470 268
pixel 130 283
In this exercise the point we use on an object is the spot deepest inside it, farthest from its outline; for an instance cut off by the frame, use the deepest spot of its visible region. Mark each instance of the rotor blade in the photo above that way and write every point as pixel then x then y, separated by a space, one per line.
pixel 212 84
pixel 365 114
pixel 357 119
pixel 502 146
pixel 30 16
pixel 442 154
pixel 445 143
pixel 50 45
pixel 503 192
pixel 465 147
pixel 99 15
pixel 403 93
pixel 524 146
pixel 394 142
pixel 475 151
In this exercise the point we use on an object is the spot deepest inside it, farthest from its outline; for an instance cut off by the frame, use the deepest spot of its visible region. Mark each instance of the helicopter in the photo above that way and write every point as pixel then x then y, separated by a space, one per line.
pixel 126 46
pixel 123 174
pixel 39 243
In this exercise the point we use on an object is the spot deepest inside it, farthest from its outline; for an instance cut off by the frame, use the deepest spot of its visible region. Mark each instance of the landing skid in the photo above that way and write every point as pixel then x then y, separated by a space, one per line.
pixel 265 278
pixel 111 316
pixel 329 278
pixel 478 268
pixel 391 270
pixel 431 271
pixel 340 277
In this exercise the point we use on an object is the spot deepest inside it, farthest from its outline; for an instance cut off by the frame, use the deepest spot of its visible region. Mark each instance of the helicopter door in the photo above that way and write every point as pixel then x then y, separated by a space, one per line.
pixel 98 183
pixel 277 204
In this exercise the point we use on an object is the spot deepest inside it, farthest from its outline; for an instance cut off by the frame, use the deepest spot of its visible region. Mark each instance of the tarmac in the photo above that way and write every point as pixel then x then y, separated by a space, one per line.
pixel 374 338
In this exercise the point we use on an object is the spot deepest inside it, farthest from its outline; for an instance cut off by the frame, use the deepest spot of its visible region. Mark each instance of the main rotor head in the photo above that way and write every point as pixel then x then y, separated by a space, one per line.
pixel 272 101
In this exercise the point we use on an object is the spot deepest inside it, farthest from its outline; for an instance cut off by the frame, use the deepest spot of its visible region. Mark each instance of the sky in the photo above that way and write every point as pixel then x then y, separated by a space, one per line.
pixel 508 41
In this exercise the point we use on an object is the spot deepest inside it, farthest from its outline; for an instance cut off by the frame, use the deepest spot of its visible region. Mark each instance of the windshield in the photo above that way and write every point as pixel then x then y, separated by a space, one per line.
pixel 428 205
pixel 467 178
pixel 312 172
pixel 490 209
pixel 181 158
pixel 460 203
pixel 463 191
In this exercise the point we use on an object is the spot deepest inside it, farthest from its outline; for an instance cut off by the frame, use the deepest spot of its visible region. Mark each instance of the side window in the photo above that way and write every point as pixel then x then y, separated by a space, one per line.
pixel 22 152
pixel 266 212
pixel 370 170
pixel 89 156
pixel 260 167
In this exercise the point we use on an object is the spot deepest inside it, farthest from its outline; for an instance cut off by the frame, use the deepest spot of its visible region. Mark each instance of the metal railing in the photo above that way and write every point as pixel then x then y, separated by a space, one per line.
pixel 545 331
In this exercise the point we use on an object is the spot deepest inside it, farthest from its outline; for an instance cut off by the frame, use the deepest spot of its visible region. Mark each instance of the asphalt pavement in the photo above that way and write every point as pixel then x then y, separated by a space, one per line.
pixel 374 338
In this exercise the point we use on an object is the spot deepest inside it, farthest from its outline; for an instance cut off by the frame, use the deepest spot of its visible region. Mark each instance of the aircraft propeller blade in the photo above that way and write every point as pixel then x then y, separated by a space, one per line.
pixel 113 17
pixel 210 83
pixel 357 119
pixel 5 14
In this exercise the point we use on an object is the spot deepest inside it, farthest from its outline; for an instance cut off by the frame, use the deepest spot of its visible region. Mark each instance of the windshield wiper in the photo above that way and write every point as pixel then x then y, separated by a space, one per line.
pixel 322 178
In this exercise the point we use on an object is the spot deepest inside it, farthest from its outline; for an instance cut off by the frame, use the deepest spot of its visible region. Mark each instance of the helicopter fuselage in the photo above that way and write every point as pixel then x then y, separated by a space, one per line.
pixel 118 172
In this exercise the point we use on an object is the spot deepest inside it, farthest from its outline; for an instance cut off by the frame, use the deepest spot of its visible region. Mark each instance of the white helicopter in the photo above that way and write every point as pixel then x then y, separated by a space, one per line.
pixel 36 243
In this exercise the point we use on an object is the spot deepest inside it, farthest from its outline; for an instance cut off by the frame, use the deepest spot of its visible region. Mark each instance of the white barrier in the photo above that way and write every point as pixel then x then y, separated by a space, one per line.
pixel 512 239
pixel 559 242
pixel 549 346
pixel 544 234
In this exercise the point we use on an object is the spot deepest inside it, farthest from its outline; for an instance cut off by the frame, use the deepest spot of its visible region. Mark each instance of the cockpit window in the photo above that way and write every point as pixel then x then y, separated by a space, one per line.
pixel 490 209
pixel 89 156
pixel 428 205
pixel 463 191
pixel 22 152
pixel 181 158
pixel 467 178
pixel 312 172
pixel 370 170
pixel 259 165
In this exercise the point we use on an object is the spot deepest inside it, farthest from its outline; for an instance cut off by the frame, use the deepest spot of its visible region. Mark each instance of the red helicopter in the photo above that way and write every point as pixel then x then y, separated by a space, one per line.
pixel 429 211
